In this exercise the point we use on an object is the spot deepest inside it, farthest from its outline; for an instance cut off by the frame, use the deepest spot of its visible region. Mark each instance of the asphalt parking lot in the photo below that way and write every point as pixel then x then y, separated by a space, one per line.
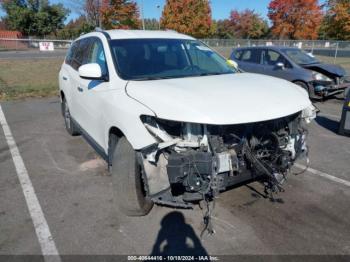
pixel 72 185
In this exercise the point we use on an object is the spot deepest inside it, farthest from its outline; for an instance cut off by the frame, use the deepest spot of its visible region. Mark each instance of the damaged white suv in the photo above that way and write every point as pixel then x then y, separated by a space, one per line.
pixel 174 121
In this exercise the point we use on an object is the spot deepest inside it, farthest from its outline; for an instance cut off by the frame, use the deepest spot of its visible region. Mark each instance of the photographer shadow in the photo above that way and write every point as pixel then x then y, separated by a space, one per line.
pixel 176 238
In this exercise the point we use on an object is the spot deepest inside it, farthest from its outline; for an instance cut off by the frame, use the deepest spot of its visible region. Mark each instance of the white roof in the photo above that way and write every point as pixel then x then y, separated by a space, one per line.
pixel 127 34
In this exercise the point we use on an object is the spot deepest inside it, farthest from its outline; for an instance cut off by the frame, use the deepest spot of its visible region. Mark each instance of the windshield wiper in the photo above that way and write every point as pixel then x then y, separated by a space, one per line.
pixel 160 78
pixel 213 74
pixel 147 78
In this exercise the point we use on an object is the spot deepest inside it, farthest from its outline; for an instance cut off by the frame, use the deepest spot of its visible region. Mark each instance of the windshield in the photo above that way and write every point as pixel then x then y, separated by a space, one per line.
pixel 151 59
pixel 300 57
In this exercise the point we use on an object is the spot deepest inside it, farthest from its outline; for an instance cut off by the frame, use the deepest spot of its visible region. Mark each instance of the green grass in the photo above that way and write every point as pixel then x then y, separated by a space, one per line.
pixel 29 78
pixel 39 77
pixel 342 61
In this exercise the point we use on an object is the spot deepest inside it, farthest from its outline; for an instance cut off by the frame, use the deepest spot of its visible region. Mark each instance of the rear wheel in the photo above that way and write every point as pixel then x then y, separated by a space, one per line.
pixel 71 127
pixel 128 185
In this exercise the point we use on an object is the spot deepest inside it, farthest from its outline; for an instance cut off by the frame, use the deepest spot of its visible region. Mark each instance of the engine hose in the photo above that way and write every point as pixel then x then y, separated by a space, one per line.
pixel 260 166
pixel 307 164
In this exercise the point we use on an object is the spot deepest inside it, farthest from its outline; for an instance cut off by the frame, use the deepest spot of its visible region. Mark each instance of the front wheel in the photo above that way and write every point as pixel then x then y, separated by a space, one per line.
pixel 303 85
pixel 346 92
pixel 128 185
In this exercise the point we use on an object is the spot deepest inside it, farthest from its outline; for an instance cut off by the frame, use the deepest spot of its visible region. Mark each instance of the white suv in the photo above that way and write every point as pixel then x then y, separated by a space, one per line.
pixel 174 121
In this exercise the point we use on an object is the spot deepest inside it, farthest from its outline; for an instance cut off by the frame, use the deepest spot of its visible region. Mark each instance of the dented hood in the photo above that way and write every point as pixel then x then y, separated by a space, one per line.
pixel 331 69
pixel 223 99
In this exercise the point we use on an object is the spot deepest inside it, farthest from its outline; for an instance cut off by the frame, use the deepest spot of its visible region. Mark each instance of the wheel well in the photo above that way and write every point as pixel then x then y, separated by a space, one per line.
pixel 114 135
pixel 294 81
pixel 115 131
pixel 309 88
pixel 305 83
pixel 62 95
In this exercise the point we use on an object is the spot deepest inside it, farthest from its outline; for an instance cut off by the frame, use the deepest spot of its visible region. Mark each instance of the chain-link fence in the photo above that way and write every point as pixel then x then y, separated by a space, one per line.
pixel 328 48
pixel 318 47
pixel 7 44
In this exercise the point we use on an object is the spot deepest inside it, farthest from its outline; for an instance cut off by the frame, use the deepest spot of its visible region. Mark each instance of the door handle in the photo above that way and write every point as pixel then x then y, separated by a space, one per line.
pixel 64 78
pixel 80 89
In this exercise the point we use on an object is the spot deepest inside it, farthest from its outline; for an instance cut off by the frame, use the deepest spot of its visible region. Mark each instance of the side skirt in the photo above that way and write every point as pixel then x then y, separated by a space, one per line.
pixel 99 149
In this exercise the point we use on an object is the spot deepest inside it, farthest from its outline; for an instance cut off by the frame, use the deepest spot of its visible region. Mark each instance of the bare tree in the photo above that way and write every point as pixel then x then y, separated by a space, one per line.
pixel 92 11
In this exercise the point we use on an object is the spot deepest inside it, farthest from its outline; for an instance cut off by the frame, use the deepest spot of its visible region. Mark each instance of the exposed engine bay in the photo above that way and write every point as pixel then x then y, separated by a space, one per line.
pixel 194 162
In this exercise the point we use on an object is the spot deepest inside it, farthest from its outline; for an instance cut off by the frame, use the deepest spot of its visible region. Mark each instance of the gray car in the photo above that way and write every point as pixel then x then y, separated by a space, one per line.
pixel 295 65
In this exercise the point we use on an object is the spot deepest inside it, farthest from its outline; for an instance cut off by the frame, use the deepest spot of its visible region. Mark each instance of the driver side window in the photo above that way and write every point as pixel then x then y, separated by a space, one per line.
pixel 272 58
pixel 97 55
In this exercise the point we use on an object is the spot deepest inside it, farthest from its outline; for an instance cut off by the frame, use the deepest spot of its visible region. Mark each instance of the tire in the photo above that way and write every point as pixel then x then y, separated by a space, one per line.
pixel 303 85
pixel 346 92
pixel 128 186
pixel 71 127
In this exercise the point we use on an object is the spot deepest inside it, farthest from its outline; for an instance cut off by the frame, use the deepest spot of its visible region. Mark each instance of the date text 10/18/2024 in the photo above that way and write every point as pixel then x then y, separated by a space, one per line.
pixel 173 258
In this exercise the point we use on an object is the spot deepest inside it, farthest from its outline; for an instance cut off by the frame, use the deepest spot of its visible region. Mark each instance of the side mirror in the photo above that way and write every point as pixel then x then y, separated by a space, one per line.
pixel 280 65
pixel 91 71
pixel 232 63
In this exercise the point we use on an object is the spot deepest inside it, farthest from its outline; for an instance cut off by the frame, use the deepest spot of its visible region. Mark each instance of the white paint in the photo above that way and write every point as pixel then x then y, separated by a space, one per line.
pixel 92 70
pixel 42 230
pixel 324 175
pixel 46 46
pixel 220 100
pixel 139 34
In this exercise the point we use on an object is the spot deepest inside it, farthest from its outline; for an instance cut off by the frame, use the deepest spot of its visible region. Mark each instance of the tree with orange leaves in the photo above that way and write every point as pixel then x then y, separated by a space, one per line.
pixel 247 24
pixel 336 24
pixel 120 14
pixel 295 19
pixel 191 17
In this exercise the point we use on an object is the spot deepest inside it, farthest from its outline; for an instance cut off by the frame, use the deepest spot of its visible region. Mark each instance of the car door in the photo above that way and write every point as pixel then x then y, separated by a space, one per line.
pixel 79 58
pixel 65 78
pixel 270 61
pixel 249 61
pixel 90 100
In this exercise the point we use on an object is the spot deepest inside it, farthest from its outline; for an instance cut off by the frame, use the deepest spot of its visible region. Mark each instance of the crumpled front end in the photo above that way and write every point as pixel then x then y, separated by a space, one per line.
pixel 192 162
pixel 328 80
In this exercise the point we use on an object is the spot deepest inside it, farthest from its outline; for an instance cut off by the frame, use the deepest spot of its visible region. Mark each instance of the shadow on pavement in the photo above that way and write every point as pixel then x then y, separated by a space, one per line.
pixel 177 238
pixel 327 123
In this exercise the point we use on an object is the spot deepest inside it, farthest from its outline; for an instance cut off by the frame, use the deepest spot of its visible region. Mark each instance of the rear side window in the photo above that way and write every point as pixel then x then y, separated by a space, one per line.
pixel 71 53
pixel 250 56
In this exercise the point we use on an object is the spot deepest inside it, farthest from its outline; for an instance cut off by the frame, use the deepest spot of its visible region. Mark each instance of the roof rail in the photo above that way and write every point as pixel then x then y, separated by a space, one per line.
pixel 171 30
pixel 99 29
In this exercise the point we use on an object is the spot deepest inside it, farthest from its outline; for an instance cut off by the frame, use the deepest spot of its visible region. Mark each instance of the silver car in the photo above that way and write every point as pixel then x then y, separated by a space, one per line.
pixel 295 65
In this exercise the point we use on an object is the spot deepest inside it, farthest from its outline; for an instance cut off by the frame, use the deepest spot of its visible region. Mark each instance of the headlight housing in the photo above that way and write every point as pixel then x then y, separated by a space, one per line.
pixel 320 77
pixel 171 128
pixel 309 113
